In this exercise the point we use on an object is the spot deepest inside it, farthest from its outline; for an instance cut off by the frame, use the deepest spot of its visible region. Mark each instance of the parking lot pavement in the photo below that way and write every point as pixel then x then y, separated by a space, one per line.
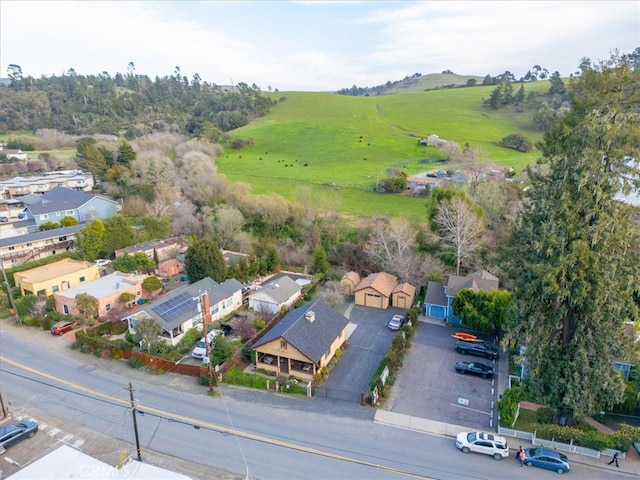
pixel 427 385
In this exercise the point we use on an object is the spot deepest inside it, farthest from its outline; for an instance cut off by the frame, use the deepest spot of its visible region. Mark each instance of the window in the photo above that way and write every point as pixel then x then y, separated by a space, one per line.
pixel 29 244
pixel 283 344
pixel 65 309
pixel 228 302
pixel 12 248
pixel 44 216
pixel 214 309
pixel 107 307
pixel 62 239
pixel 57 214
pixel 82 279
pixel 55 288
pixel 69 212
pixel 91 208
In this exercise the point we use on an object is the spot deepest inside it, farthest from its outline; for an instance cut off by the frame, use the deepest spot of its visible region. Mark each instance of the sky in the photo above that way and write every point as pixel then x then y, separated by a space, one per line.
pixel 311 45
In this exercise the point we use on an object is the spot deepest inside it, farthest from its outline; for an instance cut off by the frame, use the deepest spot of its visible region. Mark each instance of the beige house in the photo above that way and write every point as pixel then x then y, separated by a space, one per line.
pixel 106 290
pixel 304 341
pixel 349 282
pixel 38 184
pixel 55 277
pixel 382 290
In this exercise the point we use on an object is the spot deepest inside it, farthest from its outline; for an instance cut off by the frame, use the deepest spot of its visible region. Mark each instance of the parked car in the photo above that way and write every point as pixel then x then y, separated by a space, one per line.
pixel 227 329
pixel 4 219
pixel 396 322
pixel 481 349
pixel 475 368
pixel 62 327
pixel 102 262
pixel 11 434
pixel 546 458
pixel 480 442
pixel 200 350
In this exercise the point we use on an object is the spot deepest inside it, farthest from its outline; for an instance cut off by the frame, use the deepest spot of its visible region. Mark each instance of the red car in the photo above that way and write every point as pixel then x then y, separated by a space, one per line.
pixel 62 327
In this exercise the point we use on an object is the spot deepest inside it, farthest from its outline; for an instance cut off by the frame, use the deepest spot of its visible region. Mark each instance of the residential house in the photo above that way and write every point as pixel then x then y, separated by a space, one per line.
pixel 61 202
pixel 54 277
pixel 349 282
pixel 276 295
pixel 106 290
pixel 13 153
pixel 439 297
pixel 20 186
pixel 25 247
pixel 377 290
pixel 302 342
pixel 164 249
pixel 180 310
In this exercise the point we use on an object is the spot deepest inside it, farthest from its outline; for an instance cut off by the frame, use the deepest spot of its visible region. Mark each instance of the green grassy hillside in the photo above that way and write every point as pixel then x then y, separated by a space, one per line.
pixel 316 140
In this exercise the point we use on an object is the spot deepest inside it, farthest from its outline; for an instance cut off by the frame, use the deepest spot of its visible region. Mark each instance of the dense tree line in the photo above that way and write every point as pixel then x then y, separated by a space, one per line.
pixel 85 105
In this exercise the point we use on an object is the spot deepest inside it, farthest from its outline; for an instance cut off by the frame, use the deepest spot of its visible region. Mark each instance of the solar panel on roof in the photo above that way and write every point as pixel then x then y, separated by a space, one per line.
pixel 175 307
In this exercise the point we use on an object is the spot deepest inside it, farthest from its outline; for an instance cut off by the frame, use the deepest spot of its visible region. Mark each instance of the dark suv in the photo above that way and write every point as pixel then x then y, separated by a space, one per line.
pixel 476 348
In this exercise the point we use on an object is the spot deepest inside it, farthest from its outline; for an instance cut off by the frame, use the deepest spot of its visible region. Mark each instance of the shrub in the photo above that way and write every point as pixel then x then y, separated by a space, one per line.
pixel 545 415
pixel 259 323
pixel 31 321
pixel 516 141
pixel 136 362
pixel 626 436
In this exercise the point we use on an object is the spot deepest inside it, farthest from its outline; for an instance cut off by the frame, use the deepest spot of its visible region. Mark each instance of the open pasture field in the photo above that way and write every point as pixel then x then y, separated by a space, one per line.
pixel 339 147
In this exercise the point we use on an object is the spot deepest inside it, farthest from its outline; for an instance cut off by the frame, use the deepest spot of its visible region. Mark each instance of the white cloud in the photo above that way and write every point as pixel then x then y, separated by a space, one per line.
pixel 311 45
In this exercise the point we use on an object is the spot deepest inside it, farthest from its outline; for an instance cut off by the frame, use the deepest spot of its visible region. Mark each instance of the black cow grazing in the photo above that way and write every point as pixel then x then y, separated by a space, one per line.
pixel 306 164
pixel 259 158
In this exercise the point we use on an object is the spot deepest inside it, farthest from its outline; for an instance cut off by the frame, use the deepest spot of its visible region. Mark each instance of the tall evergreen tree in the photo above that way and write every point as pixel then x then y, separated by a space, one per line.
pixel 573 256
pixel 204 259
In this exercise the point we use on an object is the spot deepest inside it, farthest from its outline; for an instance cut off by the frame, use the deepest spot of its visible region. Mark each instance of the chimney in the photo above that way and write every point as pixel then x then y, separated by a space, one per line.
pixel 310 316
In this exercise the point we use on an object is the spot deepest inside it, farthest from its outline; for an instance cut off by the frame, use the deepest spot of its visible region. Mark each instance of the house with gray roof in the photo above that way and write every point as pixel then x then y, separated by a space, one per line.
pixel 303 342
pixel 276 295
pixel 20 249
pixel 180 310
pixel 61 202
pixel 438 301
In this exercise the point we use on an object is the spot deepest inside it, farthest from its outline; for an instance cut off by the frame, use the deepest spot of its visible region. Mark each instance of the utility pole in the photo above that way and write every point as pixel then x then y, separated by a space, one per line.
pixel 135 421
pixel 206 320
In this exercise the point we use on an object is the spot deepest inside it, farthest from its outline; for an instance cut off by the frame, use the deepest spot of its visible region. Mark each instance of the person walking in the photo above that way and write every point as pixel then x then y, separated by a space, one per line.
pixel 614 459
pixel 521 456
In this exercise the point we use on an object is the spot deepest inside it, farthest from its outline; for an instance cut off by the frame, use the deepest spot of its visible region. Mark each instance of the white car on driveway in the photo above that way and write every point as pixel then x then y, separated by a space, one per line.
pixel 480 442
pixel 200 350
pixel 396 322
pixel 102 262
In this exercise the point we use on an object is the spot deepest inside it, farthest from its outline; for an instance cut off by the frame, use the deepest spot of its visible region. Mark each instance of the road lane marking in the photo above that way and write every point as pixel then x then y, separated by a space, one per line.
pixel 220 428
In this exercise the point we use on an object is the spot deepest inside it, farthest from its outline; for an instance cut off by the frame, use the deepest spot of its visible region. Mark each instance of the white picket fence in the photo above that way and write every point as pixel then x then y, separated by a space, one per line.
pixel 565 447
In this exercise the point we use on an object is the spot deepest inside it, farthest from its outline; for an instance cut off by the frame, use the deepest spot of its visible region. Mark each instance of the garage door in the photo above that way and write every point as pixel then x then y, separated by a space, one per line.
pixel 435 311
pixel 373 301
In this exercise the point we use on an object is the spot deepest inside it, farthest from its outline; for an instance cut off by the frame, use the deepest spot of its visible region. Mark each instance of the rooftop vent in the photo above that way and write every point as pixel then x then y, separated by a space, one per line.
pixel 310 315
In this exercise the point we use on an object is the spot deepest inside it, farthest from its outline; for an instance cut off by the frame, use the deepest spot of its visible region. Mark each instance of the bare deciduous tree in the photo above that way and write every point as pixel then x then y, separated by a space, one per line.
pixel 331 293
pixel 460 228
pixel 227 221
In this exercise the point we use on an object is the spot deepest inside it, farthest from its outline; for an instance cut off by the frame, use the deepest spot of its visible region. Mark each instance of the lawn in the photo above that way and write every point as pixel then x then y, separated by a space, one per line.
pixel 313 141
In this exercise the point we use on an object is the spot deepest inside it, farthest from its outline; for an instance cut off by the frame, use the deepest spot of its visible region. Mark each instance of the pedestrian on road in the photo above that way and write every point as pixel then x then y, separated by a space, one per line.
pixel 614 459
pixel 521 456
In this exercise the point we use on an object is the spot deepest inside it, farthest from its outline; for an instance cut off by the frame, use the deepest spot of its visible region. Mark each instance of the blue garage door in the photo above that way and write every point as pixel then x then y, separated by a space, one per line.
pixel 435 311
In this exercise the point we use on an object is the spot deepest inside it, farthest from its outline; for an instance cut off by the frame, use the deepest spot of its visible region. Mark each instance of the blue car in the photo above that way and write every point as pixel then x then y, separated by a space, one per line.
pixel 546 458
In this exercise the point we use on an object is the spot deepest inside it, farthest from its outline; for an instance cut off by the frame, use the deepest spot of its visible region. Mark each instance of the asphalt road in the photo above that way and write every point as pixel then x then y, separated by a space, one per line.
pixel 247 433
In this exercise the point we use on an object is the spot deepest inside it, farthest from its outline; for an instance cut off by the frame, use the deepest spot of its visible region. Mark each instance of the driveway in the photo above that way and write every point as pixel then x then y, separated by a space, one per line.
pixel 368 343
pixel 428 386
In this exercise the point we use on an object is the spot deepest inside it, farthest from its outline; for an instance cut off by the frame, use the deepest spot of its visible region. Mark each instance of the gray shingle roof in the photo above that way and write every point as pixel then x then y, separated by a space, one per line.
pixel 31 237
pixel 279 291
pixel 313 339
pixel 187 306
